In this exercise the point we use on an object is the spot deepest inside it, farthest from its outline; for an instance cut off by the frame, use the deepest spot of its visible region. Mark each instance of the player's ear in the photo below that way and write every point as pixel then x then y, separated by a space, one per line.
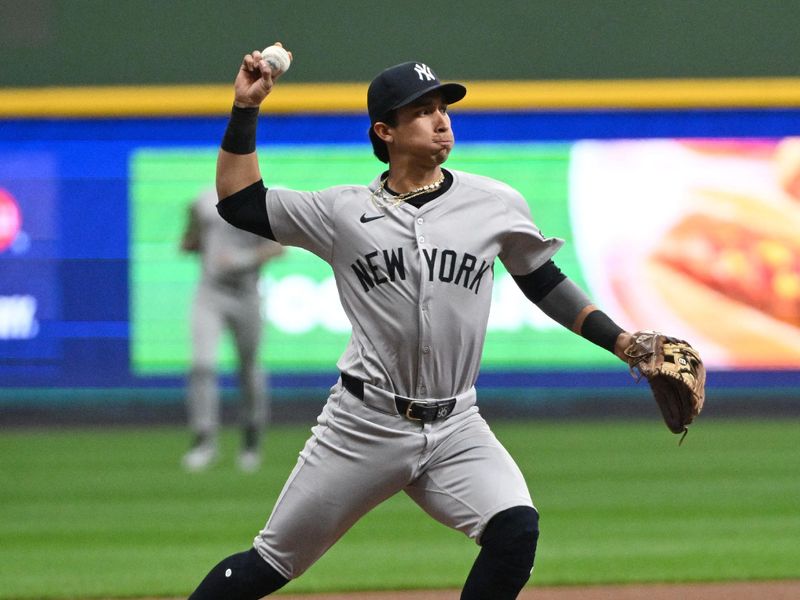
pixel 383 131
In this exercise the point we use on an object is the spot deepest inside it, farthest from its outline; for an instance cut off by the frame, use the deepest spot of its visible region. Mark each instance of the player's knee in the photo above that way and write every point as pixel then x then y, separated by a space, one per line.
pixel 243 576
pixel 504 564
pixel 513 535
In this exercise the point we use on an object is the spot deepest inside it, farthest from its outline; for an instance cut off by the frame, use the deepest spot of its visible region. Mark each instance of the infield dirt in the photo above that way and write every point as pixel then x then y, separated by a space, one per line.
pixel 778 590
pixel 764 590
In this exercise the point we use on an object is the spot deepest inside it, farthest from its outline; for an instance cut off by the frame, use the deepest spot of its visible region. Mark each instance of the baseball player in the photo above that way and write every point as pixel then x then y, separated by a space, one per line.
pixel 413 254
pixel 227 298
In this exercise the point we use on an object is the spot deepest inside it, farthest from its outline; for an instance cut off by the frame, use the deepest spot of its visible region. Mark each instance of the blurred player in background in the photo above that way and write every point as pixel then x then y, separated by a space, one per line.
pixel 227 298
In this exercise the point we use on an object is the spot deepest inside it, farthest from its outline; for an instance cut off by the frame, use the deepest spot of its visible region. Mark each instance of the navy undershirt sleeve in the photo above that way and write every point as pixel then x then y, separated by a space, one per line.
pixel 247 209
pixel 539 283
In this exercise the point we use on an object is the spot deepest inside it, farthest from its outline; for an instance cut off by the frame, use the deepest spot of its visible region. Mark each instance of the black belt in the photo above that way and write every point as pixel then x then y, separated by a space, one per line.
pixel 426 411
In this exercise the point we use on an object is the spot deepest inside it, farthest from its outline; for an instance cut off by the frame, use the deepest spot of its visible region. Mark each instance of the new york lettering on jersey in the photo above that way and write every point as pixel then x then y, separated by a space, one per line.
pixel 448 266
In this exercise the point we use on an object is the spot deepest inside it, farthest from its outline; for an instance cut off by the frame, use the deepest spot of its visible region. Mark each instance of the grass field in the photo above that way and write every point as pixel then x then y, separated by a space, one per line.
pixel 108 513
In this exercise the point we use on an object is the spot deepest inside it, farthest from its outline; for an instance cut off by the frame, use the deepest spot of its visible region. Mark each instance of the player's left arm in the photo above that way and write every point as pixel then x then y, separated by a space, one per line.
pixel 566 303
pixel 671 366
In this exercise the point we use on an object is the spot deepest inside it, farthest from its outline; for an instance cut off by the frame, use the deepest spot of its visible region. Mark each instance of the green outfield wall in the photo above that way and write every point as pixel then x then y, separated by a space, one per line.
pixel 102 42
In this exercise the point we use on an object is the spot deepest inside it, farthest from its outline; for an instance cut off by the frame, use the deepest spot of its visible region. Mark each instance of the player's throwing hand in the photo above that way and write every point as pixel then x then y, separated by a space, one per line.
pixel 255 79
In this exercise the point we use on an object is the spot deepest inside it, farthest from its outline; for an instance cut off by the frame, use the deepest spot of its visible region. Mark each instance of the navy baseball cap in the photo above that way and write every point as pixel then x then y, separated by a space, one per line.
pixel 402 84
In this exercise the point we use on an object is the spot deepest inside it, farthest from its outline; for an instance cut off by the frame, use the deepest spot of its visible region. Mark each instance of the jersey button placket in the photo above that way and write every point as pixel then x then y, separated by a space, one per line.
pixel 424 319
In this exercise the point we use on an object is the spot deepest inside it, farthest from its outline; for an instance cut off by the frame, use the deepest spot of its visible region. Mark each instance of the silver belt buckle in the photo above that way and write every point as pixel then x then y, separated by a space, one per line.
pixel 410 406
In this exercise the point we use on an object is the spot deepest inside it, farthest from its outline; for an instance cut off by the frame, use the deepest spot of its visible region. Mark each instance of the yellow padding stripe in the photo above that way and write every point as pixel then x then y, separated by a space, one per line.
pixel 129 101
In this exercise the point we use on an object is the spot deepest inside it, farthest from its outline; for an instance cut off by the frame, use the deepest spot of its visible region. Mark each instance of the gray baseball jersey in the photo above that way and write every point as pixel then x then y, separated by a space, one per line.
pixel 416 284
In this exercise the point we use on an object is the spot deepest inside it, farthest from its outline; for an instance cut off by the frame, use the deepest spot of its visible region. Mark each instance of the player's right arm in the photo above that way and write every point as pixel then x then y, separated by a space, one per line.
pixel 300 218
pixel 237 162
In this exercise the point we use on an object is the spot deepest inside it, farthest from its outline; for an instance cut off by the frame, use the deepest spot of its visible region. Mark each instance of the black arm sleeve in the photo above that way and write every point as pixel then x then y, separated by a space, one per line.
pixel 539 283
pixel 247 209
pixel 566 303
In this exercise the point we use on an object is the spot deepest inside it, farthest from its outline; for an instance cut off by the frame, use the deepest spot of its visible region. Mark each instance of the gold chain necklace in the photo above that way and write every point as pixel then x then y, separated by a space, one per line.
pixel 380 200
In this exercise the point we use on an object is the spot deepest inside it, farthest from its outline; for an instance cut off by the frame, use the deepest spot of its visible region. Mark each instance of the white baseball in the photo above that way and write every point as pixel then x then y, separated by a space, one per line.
pixel 277 57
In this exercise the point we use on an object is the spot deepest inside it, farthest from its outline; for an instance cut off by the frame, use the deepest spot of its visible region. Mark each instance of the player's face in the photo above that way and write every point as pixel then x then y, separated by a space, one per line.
pixel 423 131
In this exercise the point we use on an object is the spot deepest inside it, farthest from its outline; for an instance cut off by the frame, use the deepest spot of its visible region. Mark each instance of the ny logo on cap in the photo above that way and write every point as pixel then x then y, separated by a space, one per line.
pixel 424 71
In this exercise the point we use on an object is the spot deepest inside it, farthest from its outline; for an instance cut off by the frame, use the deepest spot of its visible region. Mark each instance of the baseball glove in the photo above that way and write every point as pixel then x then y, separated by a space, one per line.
pixel 675 373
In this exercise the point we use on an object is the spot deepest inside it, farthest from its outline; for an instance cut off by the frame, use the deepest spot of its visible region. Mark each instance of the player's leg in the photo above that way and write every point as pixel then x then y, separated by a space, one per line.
pixel 356 458
pixel 472 484
pixel 246 325
pixel 203 388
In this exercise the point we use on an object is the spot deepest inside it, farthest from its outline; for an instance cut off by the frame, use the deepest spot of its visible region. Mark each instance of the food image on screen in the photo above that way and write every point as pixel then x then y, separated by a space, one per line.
pixel 698 237
pixel 739 263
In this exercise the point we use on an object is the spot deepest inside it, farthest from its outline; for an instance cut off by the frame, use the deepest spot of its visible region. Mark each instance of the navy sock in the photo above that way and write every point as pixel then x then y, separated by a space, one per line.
pixel 243 576
pixel 508 548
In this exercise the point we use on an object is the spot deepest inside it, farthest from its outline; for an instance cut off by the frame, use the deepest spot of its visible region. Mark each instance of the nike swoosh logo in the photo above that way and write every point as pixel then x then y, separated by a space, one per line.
pixel 366 219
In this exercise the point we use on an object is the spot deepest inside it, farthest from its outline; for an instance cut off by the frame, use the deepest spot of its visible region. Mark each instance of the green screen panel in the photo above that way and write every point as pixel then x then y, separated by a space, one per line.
pixel 306 328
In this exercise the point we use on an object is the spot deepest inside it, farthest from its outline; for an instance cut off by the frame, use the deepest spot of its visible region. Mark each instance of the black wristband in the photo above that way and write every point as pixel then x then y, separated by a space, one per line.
pixel 599 329
pixel 240 136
